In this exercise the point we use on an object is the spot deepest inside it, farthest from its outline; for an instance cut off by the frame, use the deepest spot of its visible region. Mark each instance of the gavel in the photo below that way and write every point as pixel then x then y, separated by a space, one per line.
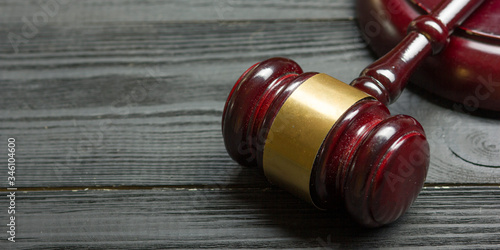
pixel 331 143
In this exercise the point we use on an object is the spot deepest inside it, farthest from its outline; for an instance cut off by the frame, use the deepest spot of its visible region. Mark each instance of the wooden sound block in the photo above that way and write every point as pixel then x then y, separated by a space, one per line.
pixel 467 71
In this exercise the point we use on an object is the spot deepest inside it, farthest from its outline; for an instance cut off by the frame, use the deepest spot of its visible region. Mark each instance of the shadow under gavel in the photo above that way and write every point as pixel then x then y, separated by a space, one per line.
pixel 331 143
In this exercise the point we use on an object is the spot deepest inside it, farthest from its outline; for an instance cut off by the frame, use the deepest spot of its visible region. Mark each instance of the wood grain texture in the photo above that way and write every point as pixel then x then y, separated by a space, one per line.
pixel 454 217
pixel 140 103
pixel 74 11
pixel 125 98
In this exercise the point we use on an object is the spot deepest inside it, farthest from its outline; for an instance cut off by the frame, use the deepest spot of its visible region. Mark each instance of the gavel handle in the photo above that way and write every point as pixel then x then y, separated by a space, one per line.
pixel 427 35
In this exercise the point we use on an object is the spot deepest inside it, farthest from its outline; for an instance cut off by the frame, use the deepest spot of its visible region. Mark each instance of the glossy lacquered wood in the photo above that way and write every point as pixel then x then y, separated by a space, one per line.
pixel 370 161
pixel 249 107
pixel 463 68
pixel 374 163
pixel 163 177
pixel 427 34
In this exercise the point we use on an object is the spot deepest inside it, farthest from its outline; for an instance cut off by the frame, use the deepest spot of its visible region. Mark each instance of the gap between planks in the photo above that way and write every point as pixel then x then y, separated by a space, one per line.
pixel 209 187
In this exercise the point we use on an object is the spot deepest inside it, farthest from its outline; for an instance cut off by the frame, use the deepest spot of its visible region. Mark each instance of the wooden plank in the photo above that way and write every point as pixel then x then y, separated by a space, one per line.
pixel 155 123
pixel 444 217
pixel 177 144
pixel 173 146
pixel 74 11
pixel 123 45
pixel 140 104
pixel 128 96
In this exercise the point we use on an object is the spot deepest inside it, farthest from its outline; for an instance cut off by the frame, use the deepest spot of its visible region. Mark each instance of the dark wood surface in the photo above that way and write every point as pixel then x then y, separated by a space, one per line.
pixel 116 109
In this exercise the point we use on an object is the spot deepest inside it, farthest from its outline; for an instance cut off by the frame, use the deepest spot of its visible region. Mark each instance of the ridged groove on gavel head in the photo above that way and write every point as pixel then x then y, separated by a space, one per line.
pixel 300 127
pixel 331 166
pixel 373 163
pixel 388 171
pixel 247 103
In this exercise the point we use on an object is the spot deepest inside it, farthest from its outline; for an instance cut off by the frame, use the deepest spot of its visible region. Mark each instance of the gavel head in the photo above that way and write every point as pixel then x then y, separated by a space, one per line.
pixel 325 141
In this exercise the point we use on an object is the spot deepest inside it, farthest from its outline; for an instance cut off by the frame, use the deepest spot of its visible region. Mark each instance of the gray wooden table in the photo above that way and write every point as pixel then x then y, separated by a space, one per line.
pixel 115 108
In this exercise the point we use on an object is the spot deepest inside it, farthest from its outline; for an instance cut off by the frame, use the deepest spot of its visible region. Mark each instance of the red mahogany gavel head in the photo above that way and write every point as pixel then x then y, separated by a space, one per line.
pixel 325 141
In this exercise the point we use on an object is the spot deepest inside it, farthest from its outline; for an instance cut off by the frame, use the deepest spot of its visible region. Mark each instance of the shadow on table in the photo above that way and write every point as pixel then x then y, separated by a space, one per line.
pixel 291 218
